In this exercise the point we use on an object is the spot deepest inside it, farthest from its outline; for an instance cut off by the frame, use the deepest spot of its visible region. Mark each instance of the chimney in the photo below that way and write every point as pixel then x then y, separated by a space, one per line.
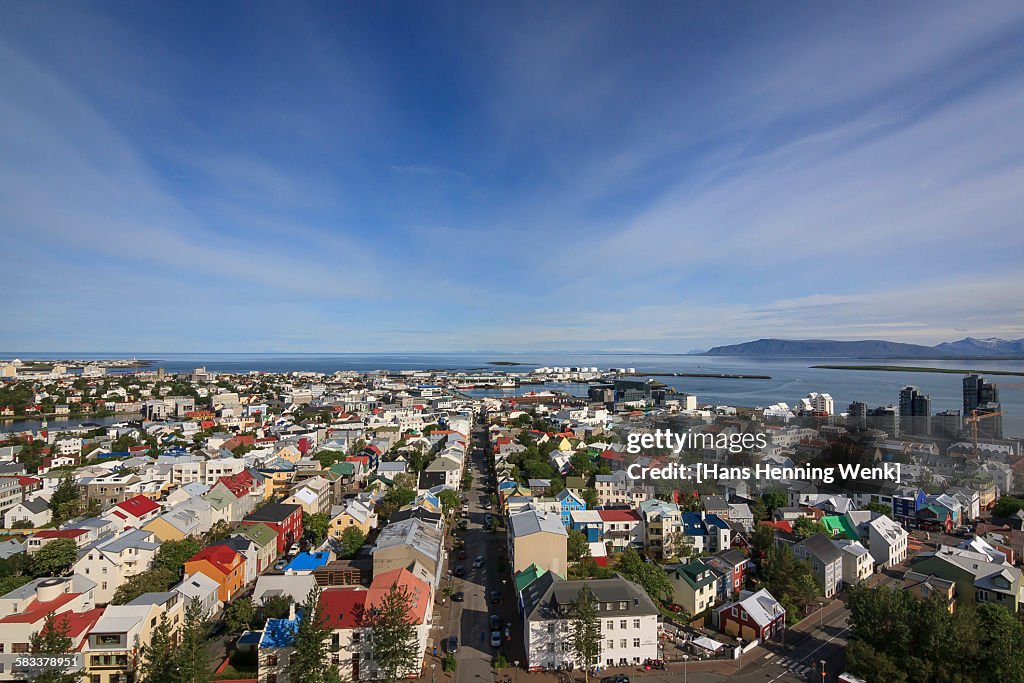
pixel 291 612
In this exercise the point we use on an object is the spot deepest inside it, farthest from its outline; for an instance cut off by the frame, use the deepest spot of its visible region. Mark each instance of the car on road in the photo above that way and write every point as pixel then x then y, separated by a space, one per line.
pixel 462 554
pixel 295 549
pixel 495 622
pixel 495 638
pixel 280 564
pixel 621 678
pixel 508 631
pixel 463 524
pixel 453 645
pixel 495 597
pixel 460 570
pixel 458 597
pixel 487 505
pixel 488 518
pixel 478 562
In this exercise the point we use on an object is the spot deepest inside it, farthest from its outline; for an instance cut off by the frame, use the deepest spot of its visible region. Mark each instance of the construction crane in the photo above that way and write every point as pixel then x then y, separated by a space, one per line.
pixel 974 418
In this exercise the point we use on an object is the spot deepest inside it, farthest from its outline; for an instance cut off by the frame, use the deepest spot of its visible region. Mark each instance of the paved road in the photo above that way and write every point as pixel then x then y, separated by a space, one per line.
pixel 470 619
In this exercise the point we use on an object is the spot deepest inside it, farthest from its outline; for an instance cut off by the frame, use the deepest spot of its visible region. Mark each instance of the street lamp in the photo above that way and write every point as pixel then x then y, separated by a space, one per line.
pixel 821 615
pixel 433 666
pixel 823 671
pixel 685 659
pixel 517 670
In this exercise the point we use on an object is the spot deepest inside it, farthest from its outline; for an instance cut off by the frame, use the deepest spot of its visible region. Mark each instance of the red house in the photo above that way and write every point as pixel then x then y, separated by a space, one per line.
pixel 757 615
pixel 284 518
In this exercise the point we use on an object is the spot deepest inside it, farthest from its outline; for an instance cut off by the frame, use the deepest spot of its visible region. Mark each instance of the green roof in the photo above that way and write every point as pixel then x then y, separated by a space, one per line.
pixel 528 576
pixel 575 483
pixel 260 534
pixel 840 526
pixel 693 569
pixel 343 468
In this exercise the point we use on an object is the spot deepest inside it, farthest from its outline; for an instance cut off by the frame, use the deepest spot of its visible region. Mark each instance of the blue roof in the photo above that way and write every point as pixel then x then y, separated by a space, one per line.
pixel 280 632
pixel 118 454
pixel 693 525
pixel 306 562
pixel 250 638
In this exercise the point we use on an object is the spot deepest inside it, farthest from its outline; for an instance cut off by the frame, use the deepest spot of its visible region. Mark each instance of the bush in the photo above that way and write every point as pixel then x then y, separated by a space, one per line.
pixel 500 662
pixel 449 663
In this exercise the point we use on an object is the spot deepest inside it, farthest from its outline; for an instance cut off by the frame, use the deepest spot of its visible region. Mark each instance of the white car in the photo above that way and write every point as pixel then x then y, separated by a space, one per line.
pixel 495 638
pixel 478 562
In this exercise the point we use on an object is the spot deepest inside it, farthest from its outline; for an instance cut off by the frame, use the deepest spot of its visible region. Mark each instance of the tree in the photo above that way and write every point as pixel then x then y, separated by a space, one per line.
pixel 880 509
pixel 23 524
pixel 395 645
pixel 217 533
pixel 66 501
pixel 352 540
pixel 648 575
pixel 316 526
pixel 449 500
pixel 53 639
pixel 312 645
pixel 396 497
pixel 585 630
pixel 275 607
pixel 191 654
pixel 577 545
pixel 1007 506
pixel 157 660
pixel 240 614
pixel 590 498
pixel 762 539
pixel 806 526
pixel 774 500
pixel 55 557
pixel 151 581
pixel 173 554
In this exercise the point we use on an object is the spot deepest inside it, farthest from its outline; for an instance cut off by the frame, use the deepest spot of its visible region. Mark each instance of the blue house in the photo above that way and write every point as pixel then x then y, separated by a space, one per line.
pixel 569 502
pixel 907 502
pixel 589 522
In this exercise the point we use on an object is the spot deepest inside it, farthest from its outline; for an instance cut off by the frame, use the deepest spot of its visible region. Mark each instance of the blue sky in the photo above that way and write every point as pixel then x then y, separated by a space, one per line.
pixel 486 176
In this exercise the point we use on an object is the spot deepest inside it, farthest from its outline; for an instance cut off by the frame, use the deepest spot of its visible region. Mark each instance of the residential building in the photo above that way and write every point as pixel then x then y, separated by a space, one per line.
pixel 826 562
pixel 537 537
pixel 283 518
pixel 111 562
pixel 887 542
pixel 222 564
pixel 693 586
pixel 755 616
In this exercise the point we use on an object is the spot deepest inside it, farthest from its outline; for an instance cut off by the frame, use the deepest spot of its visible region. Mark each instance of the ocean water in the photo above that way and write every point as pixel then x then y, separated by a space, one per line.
pixel 791 378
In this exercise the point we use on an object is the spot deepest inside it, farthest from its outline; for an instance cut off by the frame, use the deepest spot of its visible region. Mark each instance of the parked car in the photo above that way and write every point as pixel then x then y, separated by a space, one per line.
pixel 478 562
pixel 458 597
pixel 495 638
pixel 495 622
pixel 495 597
pixel 462 554
pixel 453 644
pixel 460 570
pixel 280 564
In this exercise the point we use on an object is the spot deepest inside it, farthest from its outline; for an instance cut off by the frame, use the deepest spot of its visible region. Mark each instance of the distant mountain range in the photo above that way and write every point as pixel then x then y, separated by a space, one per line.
pixel 969 347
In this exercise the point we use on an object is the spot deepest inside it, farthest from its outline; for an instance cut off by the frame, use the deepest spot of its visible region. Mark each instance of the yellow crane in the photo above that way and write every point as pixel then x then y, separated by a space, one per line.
pixel 974 418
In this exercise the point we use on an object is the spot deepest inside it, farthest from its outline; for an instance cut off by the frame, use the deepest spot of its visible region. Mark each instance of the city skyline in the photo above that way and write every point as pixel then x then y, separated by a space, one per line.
pixel 325 178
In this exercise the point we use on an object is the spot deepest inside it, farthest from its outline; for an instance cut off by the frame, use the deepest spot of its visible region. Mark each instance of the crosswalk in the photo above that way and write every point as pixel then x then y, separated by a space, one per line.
pixel 799 669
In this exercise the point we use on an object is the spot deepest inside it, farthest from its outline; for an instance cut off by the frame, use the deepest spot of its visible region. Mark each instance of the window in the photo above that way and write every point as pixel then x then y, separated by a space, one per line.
pixel 622 644
pixel 610 625
pixel 636 623
pixel 622 624
pixel 551 628
pixel 271 660
pixel 271 678
pixel 610 645
pixel 636 642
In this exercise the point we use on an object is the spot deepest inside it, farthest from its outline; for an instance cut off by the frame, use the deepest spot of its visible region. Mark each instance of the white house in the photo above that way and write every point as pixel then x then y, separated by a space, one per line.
pixel 200 587
pixel 857 561
pixel 110 562
pixel 887 541
pixel 36 511
pixel 629 622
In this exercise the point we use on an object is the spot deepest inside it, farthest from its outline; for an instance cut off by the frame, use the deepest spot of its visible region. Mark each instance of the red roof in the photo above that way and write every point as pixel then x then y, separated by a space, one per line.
pixel 619 515
pixel 220 556
pixel 612 455
pixel 37 611
pixel 28 481
pixel 780 525
pixel 417 589
pixel 138 506
pixel 239 484
pixel 343 607
pixel 79 623
pixel 58 533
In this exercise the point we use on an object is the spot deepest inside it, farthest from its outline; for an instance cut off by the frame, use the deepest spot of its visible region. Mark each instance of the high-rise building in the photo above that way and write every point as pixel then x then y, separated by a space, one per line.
pixel 983 397
pixel 885 418
pixel 915 411
pixel 857 415
pixel 946 424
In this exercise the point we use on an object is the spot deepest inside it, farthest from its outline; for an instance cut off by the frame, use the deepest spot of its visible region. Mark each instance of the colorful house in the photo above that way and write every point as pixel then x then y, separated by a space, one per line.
pixel 569 502
pixel 223 565
pixel 283 518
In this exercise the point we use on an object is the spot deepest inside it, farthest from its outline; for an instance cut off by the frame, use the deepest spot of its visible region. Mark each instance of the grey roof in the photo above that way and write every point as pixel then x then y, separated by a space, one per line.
pixel 822 548
pixel 153 598
pixel 11 547
pixel 295 586
pixel 197 585
pixel 549 596
pixel 531 521
pixel 136 538
pixel 35 505
pixel 414 533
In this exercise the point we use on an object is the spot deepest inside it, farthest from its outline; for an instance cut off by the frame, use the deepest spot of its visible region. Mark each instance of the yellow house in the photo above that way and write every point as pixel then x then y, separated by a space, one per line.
pixel 174 525
pixel 355 514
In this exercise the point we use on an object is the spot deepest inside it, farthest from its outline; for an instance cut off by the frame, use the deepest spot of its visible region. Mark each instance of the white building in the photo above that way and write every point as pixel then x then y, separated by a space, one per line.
pixel 110 563
pixel 887 541
pixel 857 561
pixel 629 622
